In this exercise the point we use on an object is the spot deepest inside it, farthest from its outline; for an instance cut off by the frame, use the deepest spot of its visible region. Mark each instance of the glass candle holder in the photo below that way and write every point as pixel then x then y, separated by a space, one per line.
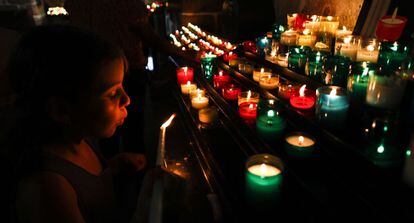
pixel 196 92
pixel 392 55
pixel 269 81
pixel 390 29
pixel 248 112
pixel 277 31
pixel 221 79
pixel 248 96
pixel 385 91
pixel 270 125
pixel 258 72
pixel 303 99
pixel 263 45
pixel 199 101
pixel 369 51
pixel 286 89
pixel 314 65
pixel 264 176
pixel 208 65
pixel 230 92
pixel 186 88
pixel 329 24
pixel 336 70
pixel 282 59
pixel 326 33
pixel 306 38
pixel 297 58
pixel 184 74
pixel 208 116
pixel 348 46
pixel 246 67
pixel 341 33
pixel 358 80
pixel 291 17
pixel 300 145
pixel 229 56
pixel 288 38
pixel 331 106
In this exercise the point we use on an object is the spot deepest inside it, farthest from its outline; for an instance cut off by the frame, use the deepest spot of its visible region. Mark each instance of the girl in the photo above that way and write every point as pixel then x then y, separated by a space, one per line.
pixel 69 88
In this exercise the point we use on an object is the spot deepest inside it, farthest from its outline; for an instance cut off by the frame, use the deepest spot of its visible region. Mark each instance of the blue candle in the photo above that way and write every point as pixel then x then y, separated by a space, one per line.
pixel 331 106
pixel 269 125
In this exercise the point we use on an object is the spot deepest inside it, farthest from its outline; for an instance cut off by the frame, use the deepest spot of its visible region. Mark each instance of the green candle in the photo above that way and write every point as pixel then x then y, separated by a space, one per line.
pixel 314 66
pixel 297 58
pixel 336 70
pixel 358 80
pixel 208 65
pixel 270 126
pixel 392 55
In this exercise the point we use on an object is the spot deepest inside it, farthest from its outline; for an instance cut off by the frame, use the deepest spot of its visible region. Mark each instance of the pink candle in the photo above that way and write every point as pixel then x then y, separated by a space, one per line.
pixel 185 74
pixel 304 99
pixel 220 80
pixel 229 56
pixel 248 112
pixel 230 92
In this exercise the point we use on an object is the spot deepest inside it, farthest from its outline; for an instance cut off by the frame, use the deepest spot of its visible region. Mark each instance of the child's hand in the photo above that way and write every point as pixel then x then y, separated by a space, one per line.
pixel 128 163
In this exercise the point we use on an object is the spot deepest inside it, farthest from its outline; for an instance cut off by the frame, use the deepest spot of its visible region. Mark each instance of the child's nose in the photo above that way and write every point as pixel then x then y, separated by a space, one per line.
pixel 125 100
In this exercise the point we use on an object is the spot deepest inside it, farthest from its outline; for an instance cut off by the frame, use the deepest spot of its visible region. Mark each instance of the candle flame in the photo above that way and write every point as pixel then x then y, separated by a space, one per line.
pixel 168 122
pixel 333 92
pixel 188 83
pixel 270 113
pixel 185 70
pixel 370 48
pixel 301 140
pixel 306 32
pixel 262 70
pixel 249 94
pixel 344 28
pixel 347 39
pixel 263 169
pixel 329 18
pixel 302 90
pixel 221 73
pixel 251 106
pixel 314 18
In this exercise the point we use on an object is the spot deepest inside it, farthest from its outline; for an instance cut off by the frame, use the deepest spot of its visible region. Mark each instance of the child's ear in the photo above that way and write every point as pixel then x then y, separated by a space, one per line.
pixel 58 110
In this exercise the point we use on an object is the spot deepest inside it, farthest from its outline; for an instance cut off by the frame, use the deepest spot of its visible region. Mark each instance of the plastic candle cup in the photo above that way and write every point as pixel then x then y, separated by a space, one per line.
pixel 385 91
pixel 286 89
pixel 368 51
pixel 208 65
pixel 199 102
pixel 248 112
pixel 269 81
pixel 184 74
pixel 264 177
pixel 259 72
pixel 300 145
pixel 331 106
pixel 304 99
pixel 230 92
pixel 221 79
pixel 186 88
pixel 248 96
pixel 314 65
pixel 306 39
pixel 269 124
pixel 389 28
pixel 297 58
pixel 348 46
pixel 288 37
pixel 336 70
pixel 358 80
pixel 208 116
pixel 392 55
pixel 196 92
pixel 229 56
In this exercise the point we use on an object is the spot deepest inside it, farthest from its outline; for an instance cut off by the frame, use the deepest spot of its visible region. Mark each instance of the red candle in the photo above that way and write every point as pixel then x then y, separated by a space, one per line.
pixel 249 46
pixel 221 80
pixel 304 99
pixel 185 74
pixel 389 28
pixel 248 112
pixel 229 56
pixel 299 22
pixel 230 92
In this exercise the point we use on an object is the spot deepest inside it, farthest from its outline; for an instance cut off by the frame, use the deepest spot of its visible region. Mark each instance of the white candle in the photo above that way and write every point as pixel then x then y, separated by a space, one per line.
pixel 269 82
pixel 368 54
pixel 208 115
pixel 257 73
pixel 161 142
pixel 196 92
pixel 349 49
pixel 343 32
pixel 307 39
pixel 288 37
pixel 300 141
pixel 199 102
pixel 385 92
pixel 186 88
pixel 264 170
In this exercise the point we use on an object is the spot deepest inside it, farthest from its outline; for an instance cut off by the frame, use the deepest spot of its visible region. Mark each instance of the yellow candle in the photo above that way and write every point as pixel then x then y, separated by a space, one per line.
pixel 186 88
pixel 288 37
pixel 264 170
pixel 257 73
pixel 368 54
pixel 199 102
pixel 196 92
pixel 306 39
pixel 269 82
pixel 208 115
pixel 300 141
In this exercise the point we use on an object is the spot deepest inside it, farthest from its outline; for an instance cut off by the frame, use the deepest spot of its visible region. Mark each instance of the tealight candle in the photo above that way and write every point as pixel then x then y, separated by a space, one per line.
pixel 264 176
pixel 369 53
pixel 306 39
pixel 358 80
pixel 304 99
pixel 299 144
pixel 282 59
pixel 248 112
pixel 263 44
pixel 184 74
pixel 186 88
pixel 340 33
pixel 331 106
pixel 196 92
pixel 248 96
pixel 230 92
pixel 288 37
pixel 221 79
pixel 229 56
pixel 269 81
pixel 269 124
pixel 208 65
pixel 208 116
pixel 199 102
pixel 257 73
pixel 348 47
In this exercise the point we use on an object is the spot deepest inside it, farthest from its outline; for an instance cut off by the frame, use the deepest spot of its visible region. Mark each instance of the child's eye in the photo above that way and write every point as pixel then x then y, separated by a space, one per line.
pixel 115 93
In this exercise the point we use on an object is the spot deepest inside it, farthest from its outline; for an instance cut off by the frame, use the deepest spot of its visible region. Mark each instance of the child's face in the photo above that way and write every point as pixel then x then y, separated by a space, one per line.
pixel 104 109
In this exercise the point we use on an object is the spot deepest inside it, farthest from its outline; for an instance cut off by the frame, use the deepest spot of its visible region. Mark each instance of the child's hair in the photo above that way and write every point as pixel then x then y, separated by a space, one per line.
pixel 56 61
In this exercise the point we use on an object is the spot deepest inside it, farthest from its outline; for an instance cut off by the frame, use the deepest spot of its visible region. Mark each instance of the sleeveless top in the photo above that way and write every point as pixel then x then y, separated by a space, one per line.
pixel 96 197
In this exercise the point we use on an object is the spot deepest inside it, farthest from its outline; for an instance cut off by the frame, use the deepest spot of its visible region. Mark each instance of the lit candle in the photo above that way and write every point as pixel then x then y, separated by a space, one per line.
pixel 286 89
pixel 358 80
pixel 269 124
pixel 230 92
pixel 234 62
pixel 208 65
pixel 314 65
pixel 299 144
pixel 306 39
pixel 288 37
pixel 186 88
pixel 229 56
pixel 196 92
pixel 368 54
pixel 282 59
pixel 340 33
pixel 199 102
pixel 185 74
pixel 208 115
pixel 304 100
pixel 221 80
pixel 263 44
pixel 349 47
pixel 297 58
pixel 385 91
pixel 248 112
pixel 331 106
pixel 269 81
pixel 257 73
pixel 248 96
pixel 291 17
pixel 161 142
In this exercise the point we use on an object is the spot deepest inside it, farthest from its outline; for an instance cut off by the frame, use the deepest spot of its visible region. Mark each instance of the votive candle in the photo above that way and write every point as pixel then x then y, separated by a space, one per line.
pixel 304 99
